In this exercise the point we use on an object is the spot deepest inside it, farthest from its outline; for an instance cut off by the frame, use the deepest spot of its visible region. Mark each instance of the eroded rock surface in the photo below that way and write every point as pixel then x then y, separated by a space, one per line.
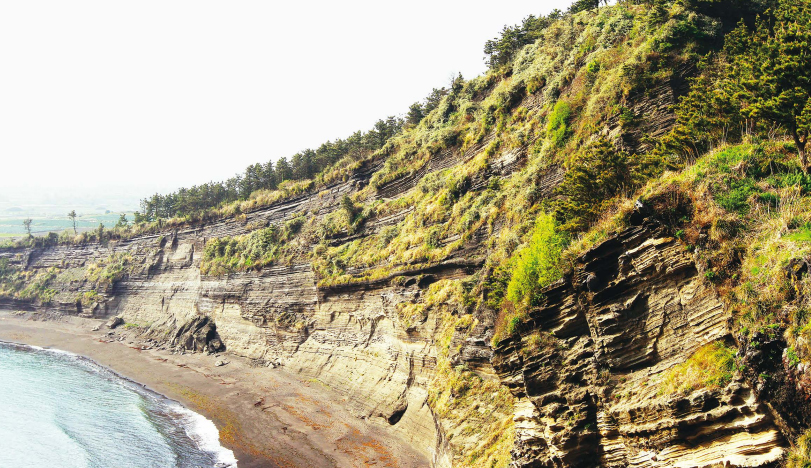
pixel 586 367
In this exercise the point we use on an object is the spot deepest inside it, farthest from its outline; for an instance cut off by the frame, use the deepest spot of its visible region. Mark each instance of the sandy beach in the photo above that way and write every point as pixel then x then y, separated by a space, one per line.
pixel 269 417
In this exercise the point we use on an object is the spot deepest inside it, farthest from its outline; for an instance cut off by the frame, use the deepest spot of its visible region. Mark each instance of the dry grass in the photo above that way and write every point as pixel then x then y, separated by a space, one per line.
pixel 709 367
pixel 800 455
pixel 476 414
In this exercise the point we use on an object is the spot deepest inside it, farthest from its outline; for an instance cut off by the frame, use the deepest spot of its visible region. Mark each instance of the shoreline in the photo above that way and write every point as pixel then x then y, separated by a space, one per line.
pixel 268 417
pixel 194 430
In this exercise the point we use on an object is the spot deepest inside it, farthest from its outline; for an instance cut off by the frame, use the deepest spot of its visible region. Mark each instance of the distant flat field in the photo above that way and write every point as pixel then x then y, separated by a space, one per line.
pixel 13 226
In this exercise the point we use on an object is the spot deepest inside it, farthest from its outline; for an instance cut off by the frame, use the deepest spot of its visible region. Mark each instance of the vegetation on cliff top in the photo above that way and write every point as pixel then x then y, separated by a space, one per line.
pixel 746 102
pixel 564 99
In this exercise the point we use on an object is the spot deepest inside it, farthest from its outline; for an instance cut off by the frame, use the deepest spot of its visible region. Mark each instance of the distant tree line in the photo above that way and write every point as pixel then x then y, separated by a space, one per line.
pixel 303 165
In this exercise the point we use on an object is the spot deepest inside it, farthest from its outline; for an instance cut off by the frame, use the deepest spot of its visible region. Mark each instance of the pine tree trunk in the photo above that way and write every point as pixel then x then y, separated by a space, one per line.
pixel 801 150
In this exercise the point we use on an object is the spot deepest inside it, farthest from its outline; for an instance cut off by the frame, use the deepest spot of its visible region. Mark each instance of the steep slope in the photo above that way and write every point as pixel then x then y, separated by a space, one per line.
pixel 586 366
pixel 385 282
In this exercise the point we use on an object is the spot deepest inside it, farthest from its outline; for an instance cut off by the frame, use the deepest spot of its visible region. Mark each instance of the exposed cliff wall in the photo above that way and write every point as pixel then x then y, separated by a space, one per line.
pixel 385 286
pixel 350 337
pixel 587 367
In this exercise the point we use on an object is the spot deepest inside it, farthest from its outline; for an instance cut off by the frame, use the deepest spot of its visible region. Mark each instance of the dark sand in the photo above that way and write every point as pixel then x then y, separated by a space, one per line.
pixel 268 417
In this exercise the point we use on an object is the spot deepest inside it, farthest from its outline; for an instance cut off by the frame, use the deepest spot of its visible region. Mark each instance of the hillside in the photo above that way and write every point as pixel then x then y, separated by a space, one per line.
pixel 596 254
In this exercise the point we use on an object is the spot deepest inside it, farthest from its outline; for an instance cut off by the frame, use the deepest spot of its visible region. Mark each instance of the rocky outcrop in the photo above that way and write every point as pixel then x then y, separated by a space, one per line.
pixel 348 337
pixel 199 334
pixel 586 367
pixel 114 322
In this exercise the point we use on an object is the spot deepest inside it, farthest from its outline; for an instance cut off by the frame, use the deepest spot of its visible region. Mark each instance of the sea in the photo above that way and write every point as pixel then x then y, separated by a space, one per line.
pixel 60 410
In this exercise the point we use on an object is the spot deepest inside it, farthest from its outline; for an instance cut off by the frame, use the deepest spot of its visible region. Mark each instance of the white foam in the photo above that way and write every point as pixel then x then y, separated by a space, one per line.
pixel 206 435
pixel 40 348
pixel 198 428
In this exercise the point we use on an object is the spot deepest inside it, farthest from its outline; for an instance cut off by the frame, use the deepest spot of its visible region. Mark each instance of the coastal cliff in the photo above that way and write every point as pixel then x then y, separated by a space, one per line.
pixel 391 279
pixel 587 394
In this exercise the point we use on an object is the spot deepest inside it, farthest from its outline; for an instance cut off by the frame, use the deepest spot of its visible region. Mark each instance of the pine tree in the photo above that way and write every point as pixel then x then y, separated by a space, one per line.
pixel 710 114
pixel 581 5
pixel 283 171
pixel 27 225
pixel 773 65
pixel 415 114
pixel 269 176
pixel 595 177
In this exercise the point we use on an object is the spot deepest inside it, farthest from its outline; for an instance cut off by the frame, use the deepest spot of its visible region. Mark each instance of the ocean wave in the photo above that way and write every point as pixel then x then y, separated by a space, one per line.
pixel 198 429
pixel 206 435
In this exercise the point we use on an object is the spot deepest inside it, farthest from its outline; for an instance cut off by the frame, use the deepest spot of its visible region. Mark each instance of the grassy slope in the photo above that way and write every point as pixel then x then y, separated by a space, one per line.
pixel 559 94
pixel 748 217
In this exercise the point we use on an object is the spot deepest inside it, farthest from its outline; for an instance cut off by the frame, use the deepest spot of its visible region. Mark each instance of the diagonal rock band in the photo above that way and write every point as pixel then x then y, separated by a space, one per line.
pixel 634 307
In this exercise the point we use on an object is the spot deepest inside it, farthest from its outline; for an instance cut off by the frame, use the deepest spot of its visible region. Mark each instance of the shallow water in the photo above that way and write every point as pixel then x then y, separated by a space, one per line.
pixel 59 410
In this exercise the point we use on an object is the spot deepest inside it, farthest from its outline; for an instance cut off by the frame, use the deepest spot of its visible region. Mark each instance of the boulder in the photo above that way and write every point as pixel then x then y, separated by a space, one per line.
pixel 115 322
pixel 199 334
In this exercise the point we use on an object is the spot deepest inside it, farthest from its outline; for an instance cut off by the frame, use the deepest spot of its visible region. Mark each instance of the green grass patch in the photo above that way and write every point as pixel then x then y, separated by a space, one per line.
pixel 557 127
pixel 803 234
pixel 709 367
pixel 734 195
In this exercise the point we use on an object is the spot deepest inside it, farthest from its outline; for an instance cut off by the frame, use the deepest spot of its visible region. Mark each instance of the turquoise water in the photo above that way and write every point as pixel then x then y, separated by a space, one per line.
pixel 58 410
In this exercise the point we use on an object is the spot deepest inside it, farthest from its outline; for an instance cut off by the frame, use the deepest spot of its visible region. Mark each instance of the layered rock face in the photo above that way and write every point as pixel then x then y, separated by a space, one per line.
pixel 348 337
pixel 587 367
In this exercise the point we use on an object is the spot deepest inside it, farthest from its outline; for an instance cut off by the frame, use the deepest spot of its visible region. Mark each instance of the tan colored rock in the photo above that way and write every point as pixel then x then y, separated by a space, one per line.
pixel 634 307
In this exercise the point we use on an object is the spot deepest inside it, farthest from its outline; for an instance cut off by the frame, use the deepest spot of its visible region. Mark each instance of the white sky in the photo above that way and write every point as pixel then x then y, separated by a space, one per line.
pixel 158 94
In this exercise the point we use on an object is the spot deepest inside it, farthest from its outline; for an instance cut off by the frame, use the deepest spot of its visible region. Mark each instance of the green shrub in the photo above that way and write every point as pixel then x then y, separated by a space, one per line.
pixel 627 117
pixel 596 176
pixel 536 265
pixel 592 69
pixel 88 298
pixel 349 207
pixel 512 325
pixel 795 179
pixel 791 356
pixel 557 127
pixel 432 238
